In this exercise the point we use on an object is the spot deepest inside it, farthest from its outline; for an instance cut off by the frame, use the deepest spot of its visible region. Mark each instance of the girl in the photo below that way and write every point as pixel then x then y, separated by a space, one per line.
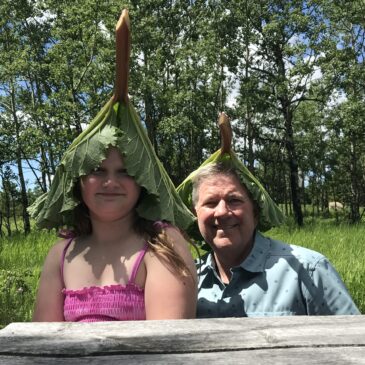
pixel 119 264
pixel 116 265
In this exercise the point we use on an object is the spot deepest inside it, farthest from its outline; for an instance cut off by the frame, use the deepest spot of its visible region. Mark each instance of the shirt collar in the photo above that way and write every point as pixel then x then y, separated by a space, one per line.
pixel 256 260
pixel 205 263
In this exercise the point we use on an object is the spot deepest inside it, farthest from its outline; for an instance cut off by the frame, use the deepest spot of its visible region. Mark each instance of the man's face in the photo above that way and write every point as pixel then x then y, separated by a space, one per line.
pixel 225 214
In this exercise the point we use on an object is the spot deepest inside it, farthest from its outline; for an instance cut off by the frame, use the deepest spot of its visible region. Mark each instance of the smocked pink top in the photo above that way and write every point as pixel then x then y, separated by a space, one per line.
pixel 106 303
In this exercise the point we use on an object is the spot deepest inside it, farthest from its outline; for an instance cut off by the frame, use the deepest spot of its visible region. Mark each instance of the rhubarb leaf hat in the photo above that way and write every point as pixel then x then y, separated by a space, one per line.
pixel 117 124
pixel 270 214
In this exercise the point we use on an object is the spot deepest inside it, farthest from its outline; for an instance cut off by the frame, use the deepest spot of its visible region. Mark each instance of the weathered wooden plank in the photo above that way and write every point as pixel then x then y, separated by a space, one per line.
pixel 295 356
pixel 196 338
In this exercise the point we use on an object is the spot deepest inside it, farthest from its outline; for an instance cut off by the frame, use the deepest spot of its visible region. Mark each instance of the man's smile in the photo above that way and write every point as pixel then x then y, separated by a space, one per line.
pixel 224 227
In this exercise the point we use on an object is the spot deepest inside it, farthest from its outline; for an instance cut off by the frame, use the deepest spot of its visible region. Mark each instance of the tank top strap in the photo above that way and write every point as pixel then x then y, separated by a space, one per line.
pixel 62 263
pixel 161 224
pixel 138 263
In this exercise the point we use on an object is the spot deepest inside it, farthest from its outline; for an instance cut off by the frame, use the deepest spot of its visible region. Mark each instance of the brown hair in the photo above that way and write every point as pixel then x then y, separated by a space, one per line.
pixel 154 233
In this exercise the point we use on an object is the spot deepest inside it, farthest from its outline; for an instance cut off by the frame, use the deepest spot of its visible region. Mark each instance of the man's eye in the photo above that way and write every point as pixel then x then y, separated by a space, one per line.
pixel 236 201
pixel 210 204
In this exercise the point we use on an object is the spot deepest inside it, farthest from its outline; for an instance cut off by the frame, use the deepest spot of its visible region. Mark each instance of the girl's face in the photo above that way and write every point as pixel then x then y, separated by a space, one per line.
pixel 109 192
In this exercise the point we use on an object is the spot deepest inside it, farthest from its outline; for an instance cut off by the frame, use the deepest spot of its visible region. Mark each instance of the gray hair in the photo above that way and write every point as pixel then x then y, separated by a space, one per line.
pixel 210 170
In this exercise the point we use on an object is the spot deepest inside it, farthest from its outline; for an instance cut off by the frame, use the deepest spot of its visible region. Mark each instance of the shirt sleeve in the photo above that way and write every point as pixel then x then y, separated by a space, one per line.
pixel 327 293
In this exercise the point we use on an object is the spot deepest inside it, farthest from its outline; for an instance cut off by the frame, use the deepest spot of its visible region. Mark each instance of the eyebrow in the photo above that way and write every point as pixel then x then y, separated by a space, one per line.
pixel 229 196
pixel 237 195
pixel 100 168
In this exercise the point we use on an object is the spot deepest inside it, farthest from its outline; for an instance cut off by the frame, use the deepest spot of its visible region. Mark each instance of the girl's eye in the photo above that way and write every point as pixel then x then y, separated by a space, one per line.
pixel 123 172
pixel 96 171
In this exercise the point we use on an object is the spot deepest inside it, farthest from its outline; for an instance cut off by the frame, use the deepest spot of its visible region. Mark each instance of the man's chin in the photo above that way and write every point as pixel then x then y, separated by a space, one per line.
pixel 222 242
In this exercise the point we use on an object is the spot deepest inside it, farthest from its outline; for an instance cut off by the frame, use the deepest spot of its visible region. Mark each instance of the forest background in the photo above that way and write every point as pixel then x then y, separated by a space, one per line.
pixel 290 74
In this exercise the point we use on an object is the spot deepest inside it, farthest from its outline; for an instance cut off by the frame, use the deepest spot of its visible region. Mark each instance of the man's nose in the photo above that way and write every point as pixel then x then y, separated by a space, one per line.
pixel 221 208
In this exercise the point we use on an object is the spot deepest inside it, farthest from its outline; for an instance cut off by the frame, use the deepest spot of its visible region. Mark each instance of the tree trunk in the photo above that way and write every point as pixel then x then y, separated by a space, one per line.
pixel 1 223
pixel 248 117
pixel 23 189
pixel 24 196
pixel 354 200
pixel 286 110
pixel 7 209
pixel 14 214
pixel 293 165
pixel 250 137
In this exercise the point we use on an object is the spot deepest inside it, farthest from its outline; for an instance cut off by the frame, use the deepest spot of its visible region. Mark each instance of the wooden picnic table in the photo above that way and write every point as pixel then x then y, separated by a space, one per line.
pixel 271 340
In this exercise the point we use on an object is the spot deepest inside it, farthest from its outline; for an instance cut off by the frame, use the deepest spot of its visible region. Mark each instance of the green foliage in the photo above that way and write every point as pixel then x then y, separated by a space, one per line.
pixel 21 260
pixel 289 64
pixel 16 295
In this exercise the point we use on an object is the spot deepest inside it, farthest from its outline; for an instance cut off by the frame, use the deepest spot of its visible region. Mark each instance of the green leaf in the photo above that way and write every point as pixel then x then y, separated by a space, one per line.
pixel 270 214
pixel 161 200
pixel 116 125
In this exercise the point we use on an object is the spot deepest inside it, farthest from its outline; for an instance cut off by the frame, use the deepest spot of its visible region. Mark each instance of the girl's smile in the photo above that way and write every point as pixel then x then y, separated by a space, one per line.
pixel 108 191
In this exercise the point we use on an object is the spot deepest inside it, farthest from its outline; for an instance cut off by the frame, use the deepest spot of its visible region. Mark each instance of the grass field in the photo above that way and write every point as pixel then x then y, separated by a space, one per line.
pixel 21 260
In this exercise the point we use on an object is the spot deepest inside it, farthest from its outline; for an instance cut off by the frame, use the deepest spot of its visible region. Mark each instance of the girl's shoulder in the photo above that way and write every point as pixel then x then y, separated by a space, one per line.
pixel 57 250
pixel 170 230
pixel 176 235
pixel 176 240
pixel 54 257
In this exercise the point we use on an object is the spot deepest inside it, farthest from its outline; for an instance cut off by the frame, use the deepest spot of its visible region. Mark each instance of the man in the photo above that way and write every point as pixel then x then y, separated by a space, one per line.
pixel 247 274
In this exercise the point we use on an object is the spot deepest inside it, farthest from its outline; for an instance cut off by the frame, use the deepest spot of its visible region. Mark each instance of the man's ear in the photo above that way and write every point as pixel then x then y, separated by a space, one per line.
pixel 256 216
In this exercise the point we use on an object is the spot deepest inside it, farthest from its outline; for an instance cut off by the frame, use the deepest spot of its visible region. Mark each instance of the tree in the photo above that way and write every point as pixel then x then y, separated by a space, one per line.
pixel 13 51
pixel 344 67
pixel 286 49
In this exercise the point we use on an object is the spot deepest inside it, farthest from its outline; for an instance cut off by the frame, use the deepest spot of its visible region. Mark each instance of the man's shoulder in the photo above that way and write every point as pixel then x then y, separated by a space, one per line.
pixel 300 253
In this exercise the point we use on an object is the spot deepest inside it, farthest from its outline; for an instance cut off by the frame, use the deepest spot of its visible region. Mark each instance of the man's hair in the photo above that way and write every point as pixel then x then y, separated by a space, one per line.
pixel 211 170
pixel 208 171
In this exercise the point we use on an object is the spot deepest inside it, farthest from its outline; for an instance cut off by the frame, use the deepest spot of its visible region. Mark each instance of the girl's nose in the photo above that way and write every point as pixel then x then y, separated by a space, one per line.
pixel 110 180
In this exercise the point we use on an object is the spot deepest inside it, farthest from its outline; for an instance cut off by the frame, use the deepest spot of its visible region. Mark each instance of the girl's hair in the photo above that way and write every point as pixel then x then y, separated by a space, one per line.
pixel 161 245
pixel 153 232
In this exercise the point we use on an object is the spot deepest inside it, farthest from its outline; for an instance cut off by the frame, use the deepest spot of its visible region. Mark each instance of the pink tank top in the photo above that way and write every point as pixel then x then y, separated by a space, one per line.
pixel 106 303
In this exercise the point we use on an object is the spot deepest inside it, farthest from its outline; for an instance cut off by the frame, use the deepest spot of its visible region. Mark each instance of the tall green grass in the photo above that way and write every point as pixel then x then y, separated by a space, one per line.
pixel 21 260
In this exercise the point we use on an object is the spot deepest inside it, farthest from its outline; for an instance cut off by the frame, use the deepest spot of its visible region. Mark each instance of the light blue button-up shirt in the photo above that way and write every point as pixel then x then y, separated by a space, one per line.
pixel 276 279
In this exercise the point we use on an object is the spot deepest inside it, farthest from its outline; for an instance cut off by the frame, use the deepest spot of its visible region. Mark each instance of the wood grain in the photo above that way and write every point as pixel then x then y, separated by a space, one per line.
pixel 271 340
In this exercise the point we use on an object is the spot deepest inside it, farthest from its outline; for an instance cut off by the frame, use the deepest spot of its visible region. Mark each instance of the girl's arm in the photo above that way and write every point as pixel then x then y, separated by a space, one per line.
pixel 49 300
pixel 167 294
